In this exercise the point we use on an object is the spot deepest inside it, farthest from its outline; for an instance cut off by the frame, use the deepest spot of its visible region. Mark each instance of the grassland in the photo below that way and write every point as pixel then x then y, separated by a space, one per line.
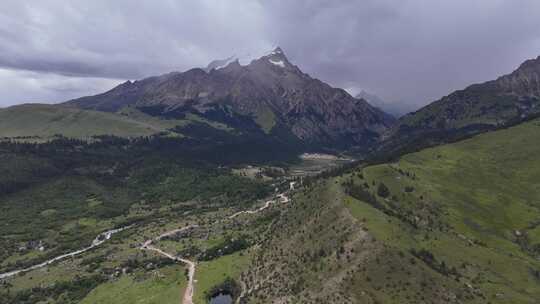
pixel 161 286
pixel 48 120
pixel 213 273
pixel 40 122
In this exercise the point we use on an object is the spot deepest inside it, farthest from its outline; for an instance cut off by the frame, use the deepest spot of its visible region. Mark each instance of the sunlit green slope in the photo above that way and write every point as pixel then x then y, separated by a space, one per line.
pixel 458 223
pixel 47 120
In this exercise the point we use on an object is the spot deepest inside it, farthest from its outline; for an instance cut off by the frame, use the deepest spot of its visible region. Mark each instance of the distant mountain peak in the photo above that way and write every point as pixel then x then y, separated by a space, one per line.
pixel 524 81
pixel 396 109
pixel 276 60
pixel 531 63
pixel 278 52
pixel 368 96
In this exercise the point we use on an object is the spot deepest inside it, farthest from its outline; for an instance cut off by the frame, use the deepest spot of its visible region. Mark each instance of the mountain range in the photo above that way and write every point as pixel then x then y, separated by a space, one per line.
pixel 272 98
pixel 268 94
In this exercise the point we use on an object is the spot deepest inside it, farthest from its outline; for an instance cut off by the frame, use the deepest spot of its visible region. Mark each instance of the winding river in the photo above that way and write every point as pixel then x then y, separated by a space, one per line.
pixel 100 239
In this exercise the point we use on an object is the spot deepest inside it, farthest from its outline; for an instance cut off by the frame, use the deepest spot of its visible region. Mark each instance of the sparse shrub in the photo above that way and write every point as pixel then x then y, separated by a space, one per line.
pixel 383 191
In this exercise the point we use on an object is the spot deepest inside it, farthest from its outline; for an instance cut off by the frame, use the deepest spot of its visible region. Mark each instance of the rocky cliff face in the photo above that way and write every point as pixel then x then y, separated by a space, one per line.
pixel 525 81
pixel 271 92
pixel 478 108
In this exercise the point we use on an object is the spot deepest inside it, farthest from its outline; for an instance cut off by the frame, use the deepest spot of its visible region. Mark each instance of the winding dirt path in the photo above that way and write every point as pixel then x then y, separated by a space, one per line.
pixel 188 294
pixel 190 289
pixel 100 239
pixel 281 198
pixel 147 245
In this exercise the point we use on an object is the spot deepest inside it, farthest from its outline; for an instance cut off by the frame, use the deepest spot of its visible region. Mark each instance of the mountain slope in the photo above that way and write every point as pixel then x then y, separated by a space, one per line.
pixel 477 108
pixel 268 94
pixel 189 136
pixel 453 224
pixel 40 120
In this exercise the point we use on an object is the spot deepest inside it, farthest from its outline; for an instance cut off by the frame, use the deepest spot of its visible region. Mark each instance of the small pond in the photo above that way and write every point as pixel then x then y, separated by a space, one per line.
pixel 221 298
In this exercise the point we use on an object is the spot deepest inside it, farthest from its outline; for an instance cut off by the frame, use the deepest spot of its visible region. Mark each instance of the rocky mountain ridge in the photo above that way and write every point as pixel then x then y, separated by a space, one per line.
pixel 270 92
pixel 478 108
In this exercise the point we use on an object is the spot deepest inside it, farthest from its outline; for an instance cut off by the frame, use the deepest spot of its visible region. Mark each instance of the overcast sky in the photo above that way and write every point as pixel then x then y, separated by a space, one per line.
pixel 409 51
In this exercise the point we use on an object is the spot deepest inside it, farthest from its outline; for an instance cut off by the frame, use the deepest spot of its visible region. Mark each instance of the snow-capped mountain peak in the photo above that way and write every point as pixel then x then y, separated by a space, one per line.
pixel 275 57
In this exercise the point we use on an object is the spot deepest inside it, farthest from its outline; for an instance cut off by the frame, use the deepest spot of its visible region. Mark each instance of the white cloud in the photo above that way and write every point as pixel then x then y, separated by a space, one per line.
pixel 32 87
pixel 127 39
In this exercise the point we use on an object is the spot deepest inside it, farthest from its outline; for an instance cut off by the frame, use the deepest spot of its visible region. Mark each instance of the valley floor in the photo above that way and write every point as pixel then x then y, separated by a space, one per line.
pixel 176 235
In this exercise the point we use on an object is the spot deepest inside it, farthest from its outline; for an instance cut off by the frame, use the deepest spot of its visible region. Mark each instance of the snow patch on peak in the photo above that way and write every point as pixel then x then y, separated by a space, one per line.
pixel 279 63
pixel 276 51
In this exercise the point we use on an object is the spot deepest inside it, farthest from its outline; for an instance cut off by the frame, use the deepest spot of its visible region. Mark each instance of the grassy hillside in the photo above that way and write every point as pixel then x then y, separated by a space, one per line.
pixel 479 201
pixel 48 120
pixel 458 223
pixel 189 133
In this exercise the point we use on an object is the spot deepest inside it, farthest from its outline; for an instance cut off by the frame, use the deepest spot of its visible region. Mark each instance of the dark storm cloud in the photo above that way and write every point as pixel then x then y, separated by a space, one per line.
pixel 403 50
pixel 120 39
pixel 410 50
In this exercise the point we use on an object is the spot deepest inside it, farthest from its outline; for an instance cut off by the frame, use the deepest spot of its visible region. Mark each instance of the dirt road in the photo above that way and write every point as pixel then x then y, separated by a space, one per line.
pixel 281 198
pixel 147 245
pixel 188 293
